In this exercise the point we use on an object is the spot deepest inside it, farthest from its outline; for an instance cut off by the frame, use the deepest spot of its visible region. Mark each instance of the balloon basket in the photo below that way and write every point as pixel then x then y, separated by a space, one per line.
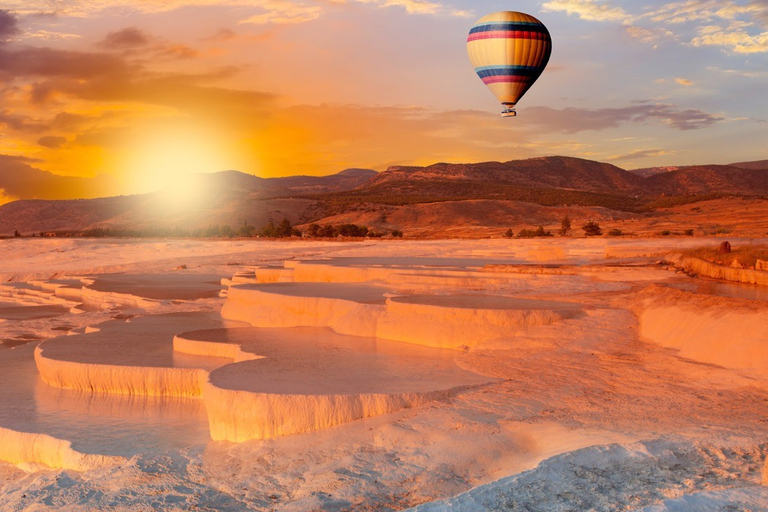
pixel 509 112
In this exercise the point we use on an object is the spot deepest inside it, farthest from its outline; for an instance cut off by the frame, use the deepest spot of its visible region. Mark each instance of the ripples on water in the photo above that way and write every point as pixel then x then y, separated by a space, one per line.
pixel 723 289
pixel 108 424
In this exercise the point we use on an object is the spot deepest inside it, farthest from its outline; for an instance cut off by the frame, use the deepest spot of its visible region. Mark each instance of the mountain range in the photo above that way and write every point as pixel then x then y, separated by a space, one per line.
pixel 421 200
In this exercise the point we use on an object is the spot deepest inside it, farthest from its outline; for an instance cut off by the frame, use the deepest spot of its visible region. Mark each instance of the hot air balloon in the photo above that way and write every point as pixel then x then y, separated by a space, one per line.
pixel 509 50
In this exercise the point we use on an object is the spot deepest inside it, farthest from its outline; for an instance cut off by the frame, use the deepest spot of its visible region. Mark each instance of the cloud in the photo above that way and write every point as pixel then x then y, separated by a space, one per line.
pixel 18 178
pixel 48 62
pixel 20 123
pixel 683 81
pixel 274 11
pixel 573 120
pixel 649 35
pixel 130 37
pixel 52 142
pixel 737 41
pixel 590 10
pixel 720 23
pixel 410 6
pixel 176 51
pixel 48 35
pixel 284 12
pixel 8 25
pixel 716 22
pixel 268 11
pixel 705 10
pixel 638 154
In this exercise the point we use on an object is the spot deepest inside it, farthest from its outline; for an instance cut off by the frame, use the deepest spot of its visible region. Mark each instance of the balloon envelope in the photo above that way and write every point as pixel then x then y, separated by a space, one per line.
pixel 509 51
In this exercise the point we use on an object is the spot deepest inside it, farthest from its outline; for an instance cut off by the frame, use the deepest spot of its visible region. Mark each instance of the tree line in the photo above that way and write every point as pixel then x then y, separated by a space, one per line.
pixel 283 229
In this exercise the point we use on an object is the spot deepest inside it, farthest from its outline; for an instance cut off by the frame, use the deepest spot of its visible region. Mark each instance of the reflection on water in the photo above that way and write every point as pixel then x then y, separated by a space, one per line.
pixel 107 424
pixel 723 289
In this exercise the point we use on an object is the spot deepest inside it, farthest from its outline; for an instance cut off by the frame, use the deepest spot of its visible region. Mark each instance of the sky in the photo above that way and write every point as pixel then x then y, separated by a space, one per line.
pixel 104 97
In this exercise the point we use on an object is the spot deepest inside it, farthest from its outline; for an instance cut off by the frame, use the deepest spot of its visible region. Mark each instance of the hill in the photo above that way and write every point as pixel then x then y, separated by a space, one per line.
pixel 709 179
pixel 759 165
pixel 425 200
pixel 223 198
pixel 646 172
pixel 545 172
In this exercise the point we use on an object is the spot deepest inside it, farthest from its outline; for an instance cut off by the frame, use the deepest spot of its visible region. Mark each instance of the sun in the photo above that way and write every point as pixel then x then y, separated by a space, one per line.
pixel 168 158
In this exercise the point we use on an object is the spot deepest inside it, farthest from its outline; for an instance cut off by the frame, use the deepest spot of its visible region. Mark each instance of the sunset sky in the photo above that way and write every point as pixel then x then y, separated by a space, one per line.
pixel 104 97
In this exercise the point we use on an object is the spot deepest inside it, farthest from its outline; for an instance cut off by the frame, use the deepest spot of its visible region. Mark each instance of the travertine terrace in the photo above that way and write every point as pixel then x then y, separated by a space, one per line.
pixel 379 375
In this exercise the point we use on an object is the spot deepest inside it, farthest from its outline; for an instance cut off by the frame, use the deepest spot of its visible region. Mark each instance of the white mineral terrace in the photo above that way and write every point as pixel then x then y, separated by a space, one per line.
pixel 466 375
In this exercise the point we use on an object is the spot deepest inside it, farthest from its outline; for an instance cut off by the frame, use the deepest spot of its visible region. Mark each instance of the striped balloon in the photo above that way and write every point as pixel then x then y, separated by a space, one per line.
pixel 509 50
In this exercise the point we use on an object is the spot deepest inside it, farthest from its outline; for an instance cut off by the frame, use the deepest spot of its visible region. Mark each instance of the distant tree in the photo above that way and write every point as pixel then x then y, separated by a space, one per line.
pixel 533 233
pixel 328 231
pixel 269 231
pixel 592 228
pixel 509 233
pixel 565 225
pixel 282 230
pixel 666 232
pixel 211 231
pixel 16 233
pixel 397 233
pixel 226 231
pixel 353 230
pixel 313 230
pixel 615 232
pixel 689 232
pixel 246 230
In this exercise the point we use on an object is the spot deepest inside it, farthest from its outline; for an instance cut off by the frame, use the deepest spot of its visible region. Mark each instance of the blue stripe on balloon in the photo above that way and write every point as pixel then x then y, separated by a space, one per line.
pixel 484 68
pixel 510 26
pixel 486 71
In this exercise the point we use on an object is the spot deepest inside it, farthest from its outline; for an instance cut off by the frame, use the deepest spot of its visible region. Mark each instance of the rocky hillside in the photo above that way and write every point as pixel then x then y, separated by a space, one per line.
pixel 487 194
pixel 224 198
pixel 759 165
pixel 547 172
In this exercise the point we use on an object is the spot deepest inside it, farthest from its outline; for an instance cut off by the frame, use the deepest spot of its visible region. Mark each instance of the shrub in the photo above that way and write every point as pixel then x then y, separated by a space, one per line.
pixel 397 233
pixel 592 228
pixel 533 233
pixel 246 230
pixel 285 228
pixel 526 233
pixel 689 232
pixel 327 231
pixel 210 231
pixel 615 232
pixel 269 231
pixel 565 225
pixel 665 232
pixel 353 230
pixel 509 233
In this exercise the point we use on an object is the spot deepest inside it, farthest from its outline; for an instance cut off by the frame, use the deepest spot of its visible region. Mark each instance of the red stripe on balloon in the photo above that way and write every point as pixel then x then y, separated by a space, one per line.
pixel 506 79
pixel 507 34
